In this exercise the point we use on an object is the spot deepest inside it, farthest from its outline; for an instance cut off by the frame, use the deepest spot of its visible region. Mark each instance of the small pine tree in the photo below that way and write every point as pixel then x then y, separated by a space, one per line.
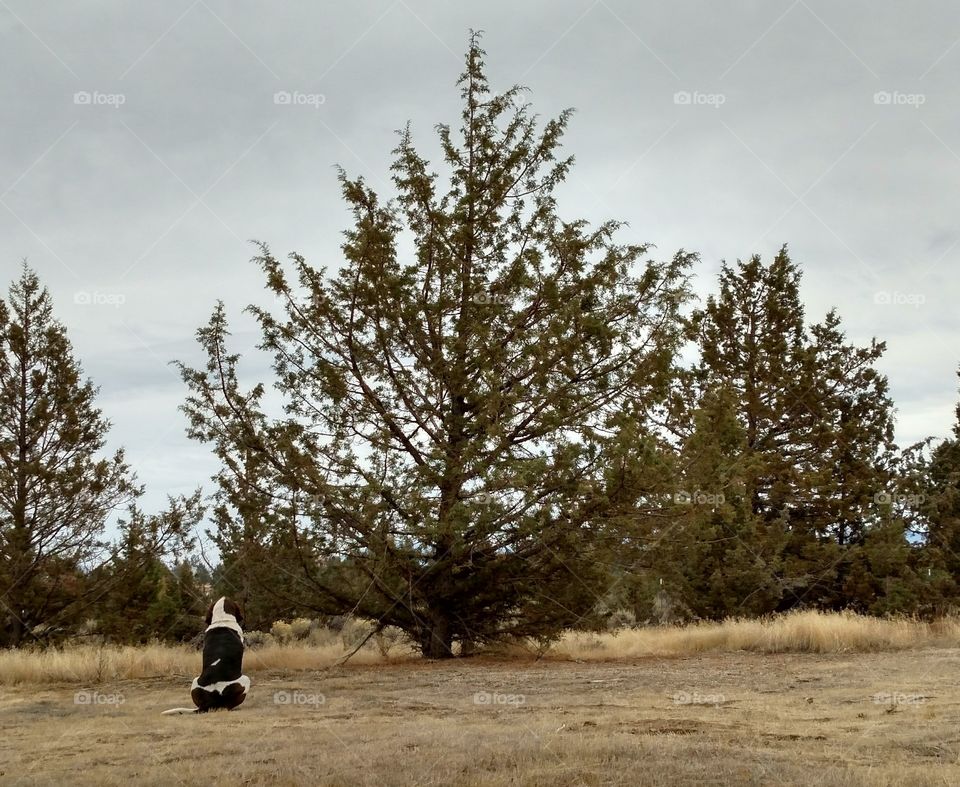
pixel 56 490
pixel 139 597
pixel 713 557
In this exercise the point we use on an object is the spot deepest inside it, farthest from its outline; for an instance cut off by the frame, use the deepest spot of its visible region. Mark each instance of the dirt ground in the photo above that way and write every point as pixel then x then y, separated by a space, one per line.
pixel 714 719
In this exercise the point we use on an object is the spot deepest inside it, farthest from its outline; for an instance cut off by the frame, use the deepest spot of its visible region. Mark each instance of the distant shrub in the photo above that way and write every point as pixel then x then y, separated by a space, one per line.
pixel 259 639
pixel 353 631
pixel 388 639
pixel 621 619
pixel 282 632
pixel 323 637
pixel 300 628
pixel 336 622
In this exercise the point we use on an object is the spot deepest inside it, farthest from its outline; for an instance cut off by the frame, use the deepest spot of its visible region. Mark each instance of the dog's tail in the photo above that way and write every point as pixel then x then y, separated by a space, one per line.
pixel 178 711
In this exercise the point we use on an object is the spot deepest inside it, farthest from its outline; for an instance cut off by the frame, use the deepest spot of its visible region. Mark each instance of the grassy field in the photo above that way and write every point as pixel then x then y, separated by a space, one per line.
pixel 716 717
pixel 799 632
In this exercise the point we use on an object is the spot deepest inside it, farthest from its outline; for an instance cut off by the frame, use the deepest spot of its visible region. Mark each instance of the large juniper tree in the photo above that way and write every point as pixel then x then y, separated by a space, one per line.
pixel 816 419
pixel 56 490
pixel 459 423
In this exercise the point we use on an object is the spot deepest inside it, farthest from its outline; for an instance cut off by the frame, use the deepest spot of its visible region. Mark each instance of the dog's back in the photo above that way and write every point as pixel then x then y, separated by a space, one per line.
pixel 221 683
pixel 222 657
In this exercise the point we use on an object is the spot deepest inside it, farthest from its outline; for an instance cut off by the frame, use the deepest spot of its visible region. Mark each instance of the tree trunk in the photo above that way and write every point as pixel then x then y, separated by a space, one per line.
pixel 15 633
pixel 436 641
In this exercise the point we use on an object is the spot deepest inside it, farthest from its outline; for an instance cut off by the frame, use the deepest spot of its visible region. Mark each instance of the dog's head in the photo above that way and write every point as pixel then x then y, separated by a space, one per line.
pixel 224 610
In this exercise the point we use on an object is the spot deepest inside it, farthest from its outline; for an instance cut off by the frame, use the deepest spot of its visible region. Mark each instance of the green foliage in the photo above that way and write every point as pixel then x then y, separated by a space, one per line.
pixel 486 435
pixel 56 491
pixel 451 418
pixel 792 427
pixel 140 598
pixel 931 488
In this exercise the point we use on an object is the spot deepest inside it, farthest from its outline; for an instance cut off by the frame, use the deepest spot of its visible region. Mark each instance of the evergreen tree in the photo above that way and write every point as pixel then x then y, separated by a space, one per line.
pixel 816 420
pixel 263 553
pixel 935 495
pixel 729 567
pixel 56 490
pixel 137 596
pixel 452 419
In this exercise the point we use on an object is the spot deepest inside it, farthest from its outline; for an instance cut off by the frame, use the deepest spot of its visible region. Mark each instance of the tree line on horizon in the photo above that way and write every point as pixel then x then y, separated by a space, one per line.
pixel 496 437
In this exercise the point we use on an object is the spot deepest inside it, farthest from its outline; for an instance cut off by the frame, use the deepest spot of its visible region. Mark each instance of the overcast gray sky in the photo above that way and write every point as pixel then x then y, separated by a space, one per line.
pixel 143 146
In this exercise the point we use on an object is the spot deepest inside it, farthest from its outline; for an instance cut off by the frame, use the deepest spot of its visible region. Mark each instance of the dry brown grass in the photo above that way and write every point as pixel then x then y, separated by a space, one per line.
pixel 798 632
pixel 801 632
pixel 721 718
pixel 91 663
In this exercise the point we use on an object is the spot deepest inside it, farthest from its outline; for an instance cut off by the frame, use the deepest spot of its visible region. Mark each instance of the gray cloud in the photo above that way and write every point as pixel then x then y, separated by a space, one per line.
pixel 833 129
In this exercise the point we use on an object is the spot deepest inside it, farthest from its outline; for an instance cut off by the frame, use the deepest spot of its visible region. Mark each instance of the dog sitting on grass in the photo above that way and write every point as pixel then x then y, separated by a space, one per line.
pixel 222 683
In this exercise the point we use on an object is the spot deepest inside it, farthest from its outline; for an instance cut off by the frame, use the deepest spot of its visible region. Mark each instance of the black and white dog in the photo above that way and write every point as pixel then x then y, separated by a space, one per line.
pixel 221 684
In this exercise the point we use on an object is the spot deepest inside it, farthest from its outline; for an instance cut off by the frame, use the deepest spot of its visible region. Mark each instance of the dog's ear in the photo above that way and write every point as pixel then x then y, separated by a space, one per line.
pixel 209 618
pixel 231 607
